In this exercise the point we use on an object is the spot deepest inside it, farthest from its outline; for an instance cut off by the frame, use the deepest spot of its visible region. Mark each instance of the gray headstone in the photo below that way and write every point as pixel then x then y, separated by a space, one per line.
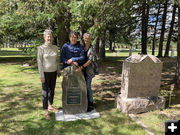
pixel 139 105
pixel 74 94
pixel 141 79
pixel 141 76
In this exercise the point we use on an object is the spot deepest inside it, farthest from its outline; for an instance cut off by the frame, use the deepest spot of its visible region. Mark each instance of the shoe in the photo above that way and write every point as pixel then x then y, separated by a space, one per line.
pixel 53 109
pixel 90 106
pixel 47 116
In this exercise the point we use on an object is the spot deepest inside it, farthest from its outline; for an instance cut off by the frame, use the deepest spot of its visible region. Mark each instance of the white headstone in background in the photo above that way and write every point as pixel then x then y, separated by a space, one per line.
pixel 130 52
pixel 118 51
pixel 172 53
pixel 114 54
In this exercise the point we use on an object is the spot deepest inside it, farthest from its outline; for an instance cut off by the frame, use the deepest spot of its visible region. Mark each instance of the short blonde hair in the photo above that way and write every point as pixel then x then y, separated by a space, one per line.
pixel 87 35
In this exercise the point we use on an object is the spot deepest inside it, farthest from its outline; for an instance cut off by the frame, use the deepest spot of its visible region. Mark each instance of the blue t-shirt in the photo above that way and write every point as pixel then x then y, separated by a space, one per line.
pixel 74 52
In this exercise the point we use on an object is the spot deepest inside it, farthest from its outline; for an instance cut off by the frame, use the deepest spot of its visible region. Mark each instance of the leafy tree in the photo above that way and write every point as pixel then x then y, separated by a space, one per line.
pixel 108 21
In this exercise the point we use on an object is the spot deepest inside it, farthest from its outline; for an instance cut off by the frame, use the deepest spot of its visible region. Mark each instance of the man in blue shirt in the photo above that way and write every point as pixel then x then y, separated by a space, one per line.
pixel 72 52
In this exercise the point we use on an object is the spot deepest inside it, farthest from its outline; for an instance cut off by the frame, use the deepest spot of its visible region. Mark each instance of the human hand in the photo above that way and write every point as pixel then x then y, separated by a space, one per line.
pixel 58 74
pixel 69 61
pixel 75 63
pixel 79 69
pixel 42 80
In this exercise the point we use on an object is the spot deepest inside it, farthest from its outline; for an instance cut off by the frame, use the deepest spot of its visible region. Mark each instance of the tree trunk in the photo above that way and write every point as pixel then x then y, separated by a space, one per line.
pixel 177 76
pixel 145 15
pixel 162 30
pixel 170 32
pixel 110 45
pixel 102 48
pixel 155 30
pixel 111 38
pixel 63 30
pixel 97 48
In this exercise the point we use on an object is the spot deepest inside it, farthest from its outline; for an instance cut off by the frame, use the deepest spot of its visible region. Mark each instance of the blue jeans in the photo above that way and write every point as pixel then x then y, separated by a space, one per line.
pixel 89 90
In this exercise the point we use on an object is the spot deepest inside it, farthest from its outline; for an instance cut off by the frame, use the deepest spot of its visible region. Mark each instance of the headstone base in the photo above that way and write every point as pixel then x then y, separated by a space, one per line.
pixel 140 104
pixel 60 116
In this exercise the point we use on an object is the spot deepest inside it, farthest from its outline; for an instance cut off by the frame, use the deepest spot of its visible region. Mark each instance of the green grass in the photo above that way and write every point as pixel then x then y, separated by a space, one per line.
pixel 21 110
pixel 125 53
pixel 156 119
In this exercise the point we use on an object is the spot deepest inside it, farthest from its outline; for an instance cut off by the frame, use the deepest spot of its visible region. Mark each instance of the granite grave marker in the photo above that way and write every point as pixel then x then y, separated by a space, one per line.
pixel 74 95
pixel 141 79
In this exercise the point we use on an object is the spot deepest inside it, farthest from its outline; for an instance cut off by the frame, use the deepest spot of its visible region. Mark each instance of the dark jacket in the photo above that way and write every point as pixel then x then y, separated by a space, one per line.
pixel 74 52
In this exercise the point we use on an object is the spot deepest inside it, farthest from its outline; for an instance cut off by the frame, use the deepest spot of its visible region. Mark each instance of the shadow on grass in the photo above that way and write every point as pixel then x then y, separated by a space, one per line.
pixel 34 70
pixel 115 122
pixel 16 104
pixel 14 85
pixel 89 127
pixel 10 52
pixel 15 59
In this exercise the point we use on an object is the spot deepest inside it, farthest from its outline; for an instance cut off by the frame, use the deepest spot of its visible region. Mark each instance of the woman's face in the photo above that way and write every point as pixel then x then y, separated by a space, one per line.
pixel 87 40
pixel 48 38
pixel 73 39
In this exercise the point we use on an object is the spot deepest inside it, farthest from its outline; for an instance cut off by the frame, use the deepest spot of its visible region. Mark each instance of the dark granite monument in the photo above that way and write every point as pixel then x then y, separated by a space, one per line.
pixel 74 96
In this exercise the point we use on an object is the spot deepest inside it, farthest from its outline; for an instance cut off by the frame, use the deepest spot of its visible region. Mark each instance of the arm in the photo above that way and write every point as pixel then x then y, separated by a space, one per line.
pixel 80 58
pixel 58 63
pixel 40 64
pixel 91 57
pixel 63 59
pixel 92 54
pixel 87 63
pixel 83 66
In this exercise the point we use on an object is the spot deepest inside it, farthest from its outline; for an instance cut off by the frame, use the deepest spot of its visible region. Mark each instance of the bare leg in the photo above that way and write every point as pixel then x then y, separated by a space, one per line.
pixel 52 108
pixel 47 114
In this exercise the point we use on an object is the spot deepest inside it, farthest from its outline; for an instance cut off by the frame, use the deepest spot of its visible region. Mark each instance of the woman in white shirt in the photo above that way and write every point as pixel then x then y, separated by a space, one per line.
pixel 48 66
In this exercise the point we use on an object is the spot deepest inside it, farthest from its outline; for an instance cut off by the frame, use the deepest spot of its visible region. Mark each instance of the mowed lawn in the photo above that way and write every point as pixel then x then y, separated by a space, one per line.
pixel 21 110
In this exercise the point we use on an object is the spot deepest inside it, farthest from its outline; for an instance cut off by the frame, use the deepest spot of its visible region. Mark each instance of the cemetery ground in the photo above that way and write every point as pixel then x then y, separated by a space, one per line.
pixel 21 108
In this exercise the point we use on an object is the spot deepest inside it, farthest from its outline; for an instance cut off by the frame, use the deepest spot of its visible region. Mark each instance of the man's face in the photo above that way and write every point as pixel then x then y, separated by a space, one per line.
pixel 73 39
pixel 48 38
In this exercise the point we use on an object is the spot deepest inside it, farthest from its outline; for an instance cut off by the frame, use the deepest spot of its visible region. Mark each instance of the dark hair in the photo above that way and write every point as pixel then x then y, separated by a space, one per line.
pixel 73 33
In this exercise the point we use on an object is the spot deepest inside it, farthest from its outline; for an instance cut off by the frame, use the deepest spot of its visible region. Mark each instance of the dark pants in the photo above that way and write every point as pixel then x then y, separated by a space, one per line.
pixel 48 88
